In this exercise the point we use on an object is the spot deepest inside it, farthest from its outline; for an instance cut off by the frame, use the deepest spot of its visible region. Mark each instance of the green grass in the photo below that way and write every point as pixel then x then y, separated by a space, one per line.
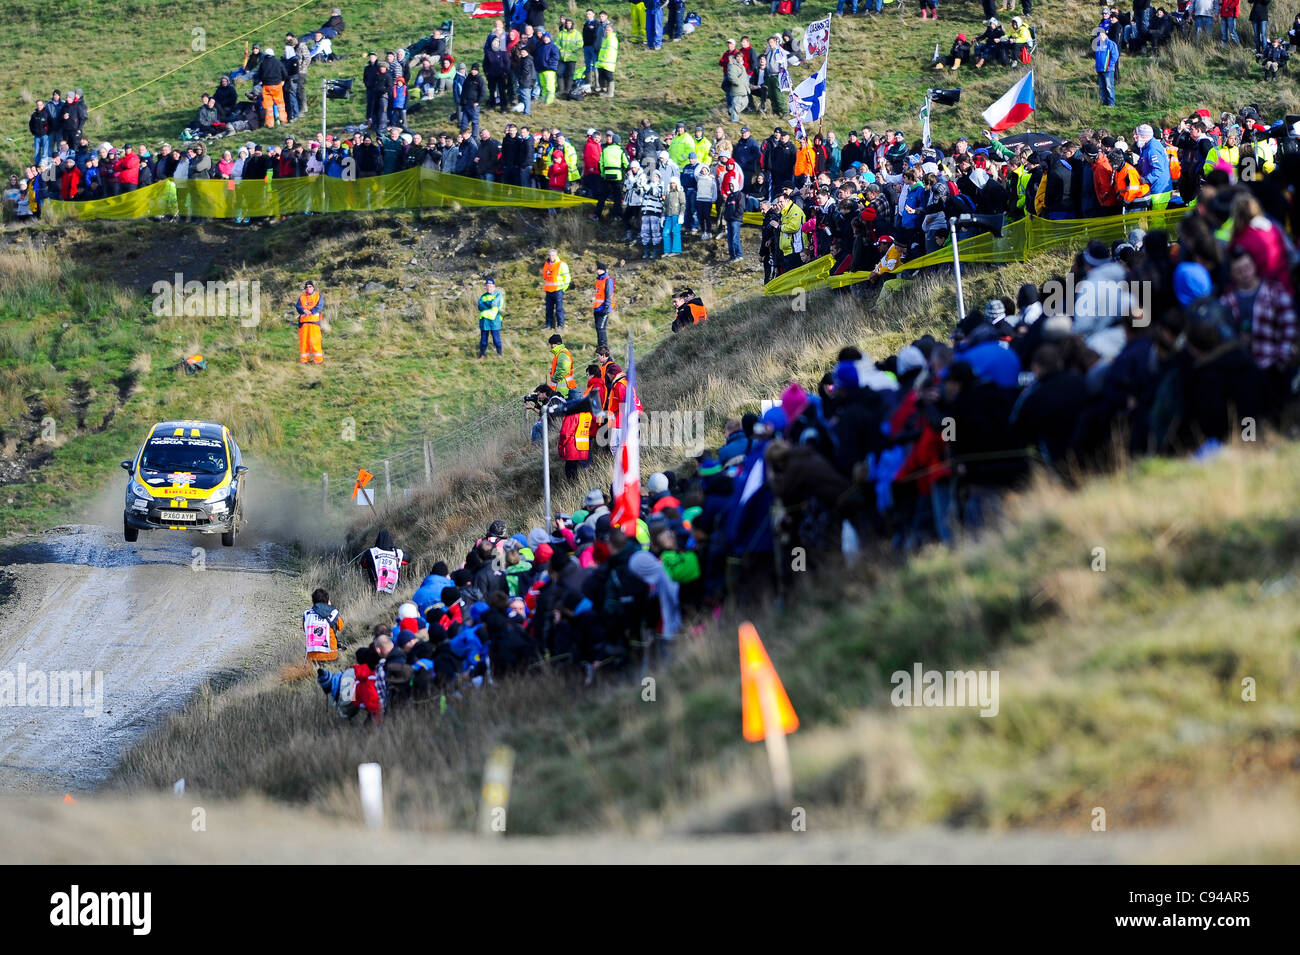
pixel 1097 669
pixel 878 74
pixel 80 343
pixel 1120 689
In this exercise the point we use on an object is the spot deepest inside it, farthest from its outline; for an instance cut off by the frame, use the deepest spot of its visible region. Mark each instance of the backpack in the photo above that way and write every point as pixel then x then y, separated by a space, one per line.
pixel 345 701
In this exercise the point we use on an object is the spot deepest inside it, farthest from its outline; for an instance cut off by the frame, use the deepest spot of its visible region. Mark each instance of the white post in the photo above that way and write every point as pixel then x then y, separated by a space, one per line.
pixel 546 469
pixel 370 776
pixel 324 86
pixel 778 751
pixel 324 489
pixel 956 269
pixel 495 796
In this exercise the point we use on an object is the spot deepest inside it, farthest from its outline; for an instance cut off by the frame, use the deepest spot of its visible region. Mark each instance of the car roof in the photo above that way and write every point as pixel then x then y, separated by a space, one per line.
pixel 187 429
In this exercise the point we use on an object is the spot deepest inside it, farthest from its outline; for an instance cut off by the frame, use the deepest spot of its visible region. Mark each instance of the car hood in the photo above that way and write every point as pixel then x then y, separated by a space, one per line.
pixel 187 484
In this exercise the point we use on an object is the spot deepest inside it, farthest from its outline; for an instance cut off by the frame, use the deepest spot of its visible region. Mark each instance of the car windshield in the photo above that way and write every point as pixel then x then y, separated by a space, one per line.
pixel 182 455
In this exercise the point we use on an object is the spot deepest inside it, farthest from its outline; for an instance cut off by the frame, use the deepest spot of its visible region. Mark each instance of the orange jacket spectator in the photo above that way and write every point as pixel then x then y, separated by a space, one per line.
pixel 1103 178
pixel 805 161
pixel 1129 185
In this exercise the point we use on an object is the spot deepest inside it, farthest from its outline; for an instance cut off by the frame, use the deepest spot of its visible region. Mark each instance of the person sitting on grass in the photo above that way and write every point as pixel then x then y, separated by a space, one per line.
pixel 958 55
pixel 991 44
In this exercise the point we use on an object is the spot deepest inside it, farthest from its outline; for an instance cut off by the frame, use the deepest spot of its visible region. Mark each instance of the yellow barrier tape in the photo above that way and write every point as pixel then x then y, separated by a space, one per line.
pixel 1020 240
pixel 418 188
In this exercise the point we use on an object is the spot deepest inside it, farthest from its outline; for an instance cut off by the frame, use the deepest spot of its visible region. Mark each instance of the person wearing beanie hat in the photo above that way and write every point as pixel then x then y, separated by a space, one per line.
pixel 596 509
pixel 994 311
pixel 1191 282
pixel 910 359
pixel 1028 308
pixel 658 484
pixel 1096 253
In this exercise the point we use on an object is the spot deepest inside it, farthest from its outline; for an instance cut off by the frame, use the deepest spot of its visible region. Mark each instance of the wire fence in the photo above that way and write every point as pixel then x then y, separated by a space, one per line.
pixel 415 465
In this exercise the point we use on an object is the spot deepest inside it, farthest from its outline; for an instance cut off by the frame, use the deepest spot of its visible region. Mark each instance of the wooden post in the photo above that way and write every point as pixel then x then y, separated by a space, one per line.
pixel 428 462
pixel 324 489
pixel 388 482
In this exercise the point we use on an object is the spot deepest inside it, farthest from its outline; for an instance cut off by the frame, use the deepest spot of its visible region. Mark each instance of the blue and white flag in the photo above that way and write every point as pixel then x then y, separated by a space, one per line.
pixel 808 102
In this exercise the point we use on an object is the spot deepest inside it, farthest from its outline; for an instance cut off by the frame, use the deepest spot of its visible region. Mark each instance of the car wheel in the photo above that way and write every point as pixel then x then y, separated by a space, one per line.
pixel 132 534
pixel 228 537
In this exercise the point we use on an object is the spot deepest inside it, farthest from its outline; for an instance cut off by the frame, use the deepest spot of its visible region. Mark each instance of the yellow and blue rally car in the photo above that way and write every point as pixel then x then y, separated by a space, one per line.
pixel 187 476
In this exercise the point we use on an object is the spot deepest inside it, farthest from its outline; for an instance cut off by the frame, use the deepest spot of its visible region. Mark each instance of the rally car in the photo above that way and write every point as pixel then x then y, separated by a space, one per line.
pixel 187 476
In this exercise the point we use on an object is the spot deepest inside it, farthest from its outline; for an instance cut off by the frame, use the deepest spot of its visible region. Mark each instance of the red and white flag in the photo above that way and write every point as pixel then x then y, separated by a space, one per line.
pixel 495 8
pixel 627 457
pixel 1013 107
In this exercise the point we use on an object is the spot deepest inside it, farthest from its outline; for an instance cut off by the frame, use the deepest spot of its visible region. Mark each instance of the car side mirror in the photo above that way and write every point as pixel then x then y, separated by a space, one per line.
pixel 127 467
pixel 240 469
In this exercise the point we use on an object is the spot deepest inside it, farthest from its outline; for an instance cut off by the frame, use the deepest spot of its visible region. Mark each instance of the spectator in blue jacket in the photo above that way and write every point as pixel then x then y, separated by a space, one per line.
pixel 1106 57
pixel 1153 164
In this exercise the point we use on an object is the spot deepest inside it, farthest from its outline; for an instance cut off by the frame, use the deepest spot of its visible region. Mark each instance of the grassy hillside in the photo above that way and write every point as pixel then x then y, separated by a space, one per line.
pixel 115 50
pixel 1096 667
pixel 1120 688
pixel 81 345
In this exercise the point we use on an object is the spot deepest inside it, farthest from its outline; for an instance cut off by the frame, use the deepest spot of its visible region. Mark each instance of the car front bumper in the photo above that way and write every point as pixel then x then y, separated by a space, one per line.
pixel 160 515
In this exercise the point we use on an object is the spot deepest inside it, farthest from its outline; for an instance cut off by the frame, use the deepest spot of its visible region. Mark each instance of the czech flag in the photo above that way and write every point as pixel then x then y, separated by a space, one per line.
pixel 627 458
pixel 1014 107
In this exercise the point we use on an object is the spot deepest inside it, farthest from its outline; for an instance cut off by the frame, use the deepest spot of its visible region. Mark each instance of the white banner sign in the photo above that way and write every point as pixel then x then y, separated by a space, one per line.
pixel 817 38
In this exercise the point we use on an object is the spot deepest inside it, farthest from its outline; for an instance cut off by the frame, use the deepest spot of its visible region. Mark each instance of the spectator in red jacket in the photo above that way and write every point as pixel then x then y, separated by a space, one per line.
pixel 70 180
pixel 126 171
pixel 591 181
pixel 1229 10
pixel 367 696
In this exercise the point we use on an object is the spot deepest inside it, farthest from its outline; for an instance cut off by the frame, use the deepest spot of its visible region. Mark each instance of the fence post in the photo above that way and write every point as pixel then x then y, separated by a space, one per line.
pixel 388 482
pixel 324 489
pixel 428 462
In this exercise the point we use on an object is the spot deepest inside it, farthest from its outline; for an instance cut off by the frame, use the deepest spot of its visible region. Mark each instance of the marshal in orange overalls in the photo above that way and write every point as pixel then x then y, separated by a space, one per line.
pixel 309 316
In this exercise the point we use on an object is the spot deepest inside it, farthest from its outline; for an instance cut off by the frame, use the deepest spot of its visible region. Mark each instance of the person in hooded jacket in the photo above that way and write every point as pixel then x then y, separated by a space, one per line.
pixel 384 560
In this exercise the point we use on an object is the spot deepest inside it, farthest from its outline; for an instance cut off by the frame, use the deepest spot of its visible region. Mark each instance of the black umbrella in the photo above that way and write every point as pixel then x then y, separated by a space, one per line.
pixel 1035 141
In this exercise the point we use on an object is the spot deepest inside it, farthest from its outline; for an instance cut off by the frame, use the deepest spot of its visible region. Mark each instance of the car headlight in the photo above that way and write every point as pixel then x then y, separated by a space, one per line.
pixel 220 494
pixel 138 489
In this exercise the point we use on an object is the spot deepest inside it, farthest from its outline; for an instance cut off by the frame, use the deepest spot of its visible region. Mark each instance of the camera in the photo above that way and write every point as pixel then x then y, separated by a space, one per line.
pixel 533 398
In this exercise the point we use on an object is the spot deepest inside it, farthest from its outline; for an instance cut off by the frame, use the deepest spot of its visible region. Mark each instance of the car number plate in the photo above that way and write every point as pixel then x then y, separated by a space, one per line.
pixel 179 516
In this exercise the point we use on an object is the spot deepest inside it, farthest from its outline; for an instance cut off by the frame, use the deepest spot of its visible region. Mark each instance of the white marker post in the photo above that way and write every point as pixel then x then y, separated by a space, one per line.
pixel 778 750
pixel 496 791
pixel 371 778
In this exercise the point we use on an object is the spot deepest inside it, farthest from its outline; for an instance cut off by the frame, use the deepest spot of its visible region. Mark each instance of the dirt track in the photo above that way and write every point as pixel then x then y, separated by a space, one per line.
pixel 154 620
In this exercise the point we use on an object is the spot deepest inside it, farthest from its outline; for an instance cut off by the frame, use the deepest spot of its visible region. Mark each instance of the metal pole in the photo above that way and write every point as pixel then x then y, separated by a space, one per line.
pixel 388 482
pixel 546 469
pixel 324 85
pixel 956 269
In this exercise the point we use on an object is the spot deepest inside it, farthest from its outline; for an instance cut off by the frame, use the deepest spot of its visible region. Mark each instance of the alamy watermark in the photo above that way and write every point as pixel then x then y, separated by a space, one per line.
pixel 211 299
pixel 661 429
pixel 922 687
pixel 73 689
